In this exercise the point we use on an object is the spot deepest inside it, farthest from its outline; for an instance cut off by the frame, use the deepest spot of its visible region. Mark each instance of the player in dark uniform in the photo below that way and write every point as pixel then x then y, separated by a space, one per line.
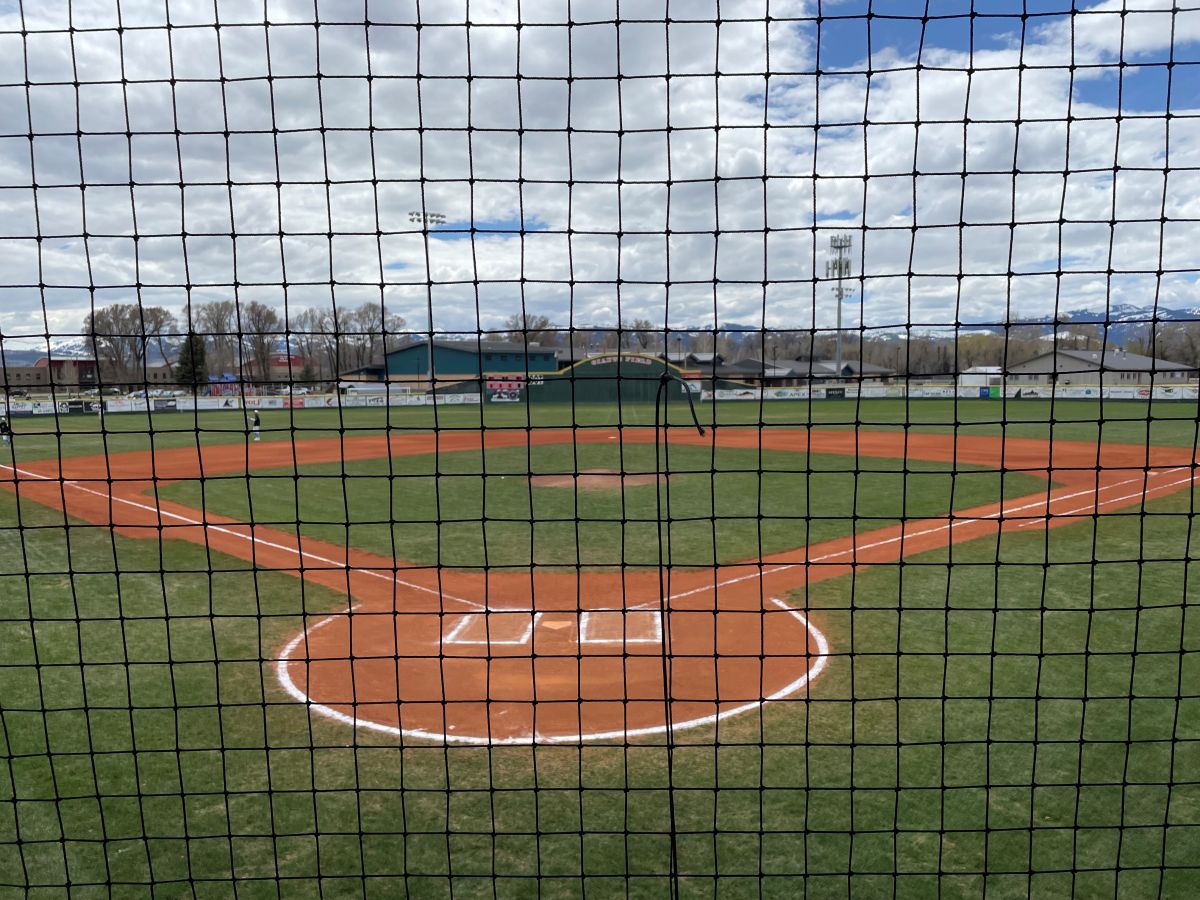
pixel 5 431
pixel 255 425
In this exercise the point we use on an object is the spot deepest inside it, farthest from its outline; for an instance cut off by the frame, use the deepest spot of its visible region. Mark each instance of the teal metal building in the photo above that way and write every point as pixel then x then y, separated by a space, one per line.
pixel 467 359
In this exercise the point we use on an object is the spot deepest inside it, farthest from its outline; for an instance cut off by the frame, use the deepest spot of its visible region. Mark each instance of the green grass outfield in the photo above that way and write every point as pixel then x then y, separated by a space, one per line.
pixel 1018 715
pixel 1113 421
pixel 472 509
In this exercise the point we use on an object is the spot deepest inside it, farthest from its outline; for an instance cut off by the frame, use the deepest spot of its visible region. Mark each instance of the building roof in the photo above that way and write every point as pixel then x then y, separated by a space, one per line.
pixel 372 368
pixel 470 345
pixel 829 368
pixel 58 361
pixel 817 368
pixel 755 367
pixel 572 354
pixel 1109 360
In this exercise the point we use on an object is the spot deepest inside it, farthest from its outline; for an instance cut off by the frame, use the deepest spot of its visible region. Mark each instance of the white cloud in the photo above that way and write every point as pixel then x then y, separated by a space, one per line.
pixel 954 186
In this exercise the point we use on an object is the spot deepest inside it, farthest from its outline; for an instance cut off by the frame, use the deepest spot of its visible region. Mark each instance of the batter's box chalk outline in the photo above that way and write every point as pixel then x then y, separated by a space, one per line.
pixel 616 626
pixel 511 628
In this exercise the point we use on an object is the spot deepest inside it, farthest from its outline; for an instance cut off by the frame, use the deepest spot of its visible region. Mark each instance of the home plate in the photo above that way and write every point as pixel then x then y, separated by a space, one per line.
pixel 555 626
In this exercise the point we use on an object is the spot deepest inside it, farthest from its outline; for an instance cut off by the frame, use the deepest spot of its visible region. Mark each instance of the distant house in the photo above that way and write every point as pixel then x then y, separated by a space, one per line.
pixel 798 373
pixel 449 361
pixel 981 376
pixel 67 372
pixel 372 371
pixel 279 368
pixel 1109 367
pixel 163 373
pixel 70 372
pixel 692 359
pixel 819 370
pixel 22 378
pixel 752 370
pixel 568 356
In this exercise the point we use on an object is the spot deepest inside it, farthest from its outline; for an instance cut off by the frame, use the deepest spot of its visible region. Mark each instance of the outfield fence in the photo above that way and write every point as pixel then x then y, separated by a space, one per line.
pixel 405 398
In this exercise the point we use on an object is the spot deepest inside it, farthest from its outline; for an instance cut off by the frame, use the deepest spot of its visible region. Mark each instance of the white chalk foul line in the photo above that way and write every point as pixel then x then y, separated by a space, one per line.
pixel 1095 507
pixel 851 552
pixel 814 669
pixel 262 542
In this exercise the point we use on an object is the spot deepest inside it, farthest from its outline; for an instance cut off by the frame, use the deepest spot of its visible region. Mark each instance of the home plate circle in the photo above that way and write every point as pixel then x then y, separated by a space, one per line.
pixel 520 676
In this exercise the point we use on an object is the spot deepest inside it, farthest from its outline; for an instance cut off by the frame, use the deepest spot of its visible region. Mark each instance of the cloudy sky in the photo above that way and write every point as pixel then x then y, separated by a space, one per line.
pixel 611 165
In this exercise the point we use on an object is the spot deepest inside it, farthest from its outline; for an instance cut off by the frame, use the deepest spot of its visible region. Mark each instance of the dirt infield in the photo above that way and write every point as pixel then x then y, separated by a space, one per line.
pixel 596 480
pixel 553 656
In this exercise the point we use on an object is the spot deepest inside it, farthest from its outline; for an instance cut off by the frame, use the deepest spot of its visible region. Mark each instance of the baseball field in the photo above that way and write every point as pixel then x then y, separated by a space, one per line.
pixel 902 648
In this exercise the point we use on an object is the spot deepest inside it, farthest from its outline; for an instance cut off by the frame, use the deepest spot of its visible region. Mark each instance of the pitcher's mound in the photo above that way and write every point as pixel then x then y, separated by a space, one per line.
pixel 595 480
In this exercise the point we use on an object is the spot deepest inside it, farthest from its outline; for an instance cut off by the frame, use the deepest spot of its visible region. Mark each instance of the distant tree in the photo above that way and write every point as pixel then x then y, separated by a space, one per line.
pixel 308 375
pixel 641 334
pixel 217 321
pixel 119 335
pixel 305 333
pixel 525 327
pixel 1179 342
pixel 260 330
pixel 394 334
pixel 192 367
pixel 157 324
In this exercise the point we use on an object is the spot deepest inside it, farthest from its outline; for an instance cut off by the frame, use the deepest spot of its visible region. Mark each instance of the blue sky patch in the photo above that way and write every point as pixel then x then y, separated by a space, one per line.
pixel 460 229
pixel 1140 89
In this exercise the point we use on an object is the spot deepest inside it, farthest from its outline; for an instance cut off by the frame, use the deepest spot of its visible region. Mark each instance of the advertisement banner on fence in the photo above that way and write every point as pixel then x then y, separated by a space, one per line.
pixel 18 407
pixel 879 390
pixel 737 394
pixel 458 399
pixel 263 402
pixel 786 393
pixel 165 404
pixel 504 390
pixel 933 390
pixel 1172 392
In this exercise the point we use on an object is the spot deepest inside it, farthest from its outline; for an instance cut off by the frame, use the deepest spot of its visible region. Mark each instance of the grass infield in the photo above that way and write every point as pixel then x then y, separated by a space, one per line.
pixel 1018 714
pixel 469 509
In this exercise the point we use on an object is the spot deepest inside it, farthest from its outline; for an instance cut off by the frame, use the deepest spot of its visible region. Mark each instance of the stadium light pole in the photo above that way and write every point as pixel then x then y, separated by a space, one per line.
pixel 427 220
pixel 839 267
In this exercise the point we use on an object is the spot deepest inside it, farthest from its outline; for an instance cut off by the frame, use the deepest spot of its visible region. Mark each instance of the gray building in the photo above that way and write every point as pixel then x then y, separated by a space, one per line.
pixel 799 373
pixel 1109 367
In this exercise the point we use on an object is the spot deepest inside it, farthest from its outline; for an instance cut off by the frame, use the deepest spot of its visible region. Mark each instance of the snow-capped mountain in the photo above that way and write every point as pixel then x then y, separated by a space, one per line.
pixel 25 351
pixel 1120 323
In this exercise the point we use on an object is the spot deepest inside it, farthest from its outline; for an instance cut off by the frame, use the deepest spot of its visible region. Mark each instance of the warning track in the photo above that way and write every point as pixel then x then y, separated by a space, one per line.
pixel 565 656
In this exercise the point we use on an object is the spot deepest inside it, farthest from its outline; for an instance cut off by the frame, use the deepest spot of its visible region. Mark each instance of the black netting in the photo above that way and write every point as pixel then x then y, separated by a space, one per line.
pixel 582 448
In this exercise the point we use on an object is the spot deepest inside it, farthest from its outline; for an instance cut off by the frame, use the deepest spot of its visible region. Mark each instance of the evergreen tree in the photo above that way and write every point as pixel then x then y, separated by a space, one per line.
pixel 192 368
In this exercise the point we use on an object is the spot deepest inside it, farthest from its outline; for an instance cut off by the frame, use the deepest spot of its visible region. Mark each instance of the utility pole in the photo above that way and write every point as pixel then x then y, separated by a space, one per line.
pixel 839 267
pixel 427 220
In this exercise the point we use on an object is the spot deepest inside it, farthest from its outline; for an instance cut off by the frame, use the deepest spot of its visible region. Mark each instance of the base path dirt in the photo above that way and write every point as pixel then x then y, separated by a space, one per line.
pixel 521 656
